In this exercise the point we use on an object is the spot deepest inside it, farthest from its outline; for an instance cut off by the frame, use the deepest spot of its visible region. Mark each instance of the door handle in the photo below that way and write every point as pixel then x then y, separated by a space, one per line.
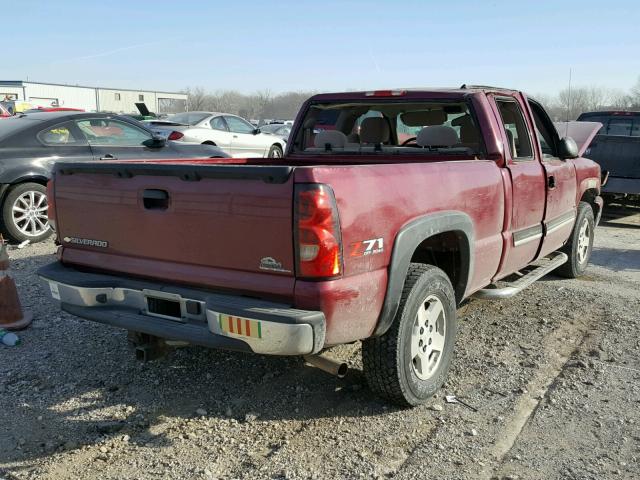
pixel 108 156
pixel 235 136
pixel 154 199
pixel 551 182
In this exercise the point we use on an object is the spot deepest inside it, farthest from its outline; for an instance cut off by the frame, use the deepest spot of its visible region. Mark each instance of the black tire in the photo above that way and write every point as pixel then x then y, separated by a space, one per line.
pixel 577 263
pixel 275 151
pixel 388 364
pixel 10 227
pixel 209 142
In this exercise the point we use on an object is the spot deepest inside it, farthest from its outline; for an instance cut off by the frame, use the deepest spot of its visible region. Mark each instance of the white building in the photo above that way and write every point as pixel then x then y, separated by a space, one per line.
pixel 91 99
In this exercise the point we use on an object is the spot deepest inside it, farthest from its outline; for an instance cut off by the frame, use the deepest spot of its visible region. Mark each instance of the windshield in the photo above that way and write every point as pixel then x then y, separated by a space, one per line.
pixel 393 127
pixel 187 118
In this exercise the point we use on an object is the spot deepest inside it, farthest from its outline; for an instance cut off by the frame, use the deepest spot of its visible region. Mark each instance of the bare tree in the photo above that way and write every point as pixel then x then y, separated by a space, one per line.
pixel 197 98
pixel 634 96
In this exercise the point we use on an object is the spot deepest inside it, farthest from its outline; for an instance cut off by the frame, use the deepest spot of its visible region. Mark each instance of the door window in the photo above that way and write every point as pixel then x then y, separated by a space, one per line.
pixel 516 129
pixel 105 131
pixel 543 130
pixel 218 123
pixel 238 125
pixel 60 134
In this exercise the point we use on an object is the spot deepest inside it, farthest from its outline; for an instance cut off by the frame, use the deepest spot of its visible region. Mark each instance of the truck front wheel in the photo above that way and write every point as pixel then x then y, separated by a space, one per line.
pixel 580 243
pixel 409 363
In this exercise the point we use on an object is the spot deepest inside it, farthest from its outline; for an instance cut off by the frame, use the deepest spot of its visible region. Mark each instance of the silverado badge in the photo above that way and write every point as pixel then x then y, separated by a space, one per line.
pixel 270 263
pixel 86 241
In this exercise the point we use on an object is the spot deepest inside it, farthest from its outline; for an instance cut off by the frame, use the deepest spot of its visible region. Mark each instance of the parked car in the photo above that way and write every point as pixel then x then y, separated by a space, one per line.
pixel 278 129
pixel 31 143
pixel 4 112
pixel 616 149
pixel 52 109
pixel 231 133
pixel 339 241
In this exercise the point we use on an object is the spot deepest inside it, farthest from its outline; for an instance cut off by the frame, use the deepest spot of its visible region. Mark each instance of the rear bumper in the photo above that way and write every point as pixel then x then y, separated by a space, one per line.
pixel 208 319
pixel 622 185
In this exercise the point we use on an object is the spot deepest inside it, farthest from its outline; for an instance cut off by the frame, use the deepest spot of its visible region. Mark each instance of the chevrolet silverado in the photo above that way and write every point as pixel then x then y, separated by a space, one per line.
pixel 357 234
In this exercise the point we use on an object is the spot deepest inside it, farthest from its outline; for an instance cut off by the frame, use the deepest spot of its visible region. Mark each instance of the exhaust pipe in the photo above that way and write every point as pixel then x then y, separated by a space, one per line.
pixel 334 367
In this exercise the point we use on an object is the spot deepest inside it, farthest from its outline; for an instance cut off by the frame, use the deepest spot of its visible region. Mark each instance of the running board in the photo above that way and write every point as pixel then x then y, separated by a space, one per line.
pixel 555 260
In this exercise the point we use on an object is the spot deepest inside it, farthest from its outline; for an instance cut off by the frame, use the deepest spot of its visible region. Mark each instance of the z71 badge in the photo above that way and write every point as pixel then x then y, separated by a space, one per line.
pixel 366 247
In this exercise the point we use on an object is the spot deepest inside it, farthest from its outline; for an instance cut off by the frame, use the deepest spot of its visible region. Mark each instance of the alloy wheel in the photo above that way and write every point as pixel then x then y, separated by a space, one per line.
pixel 29 212
pixel 428 337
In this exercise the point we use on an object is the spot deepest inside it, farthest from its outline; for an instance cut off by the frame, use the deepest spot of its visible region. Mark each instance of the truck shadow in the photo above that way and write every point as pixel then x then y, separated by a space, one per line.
pixel 616 259
pixel 73 383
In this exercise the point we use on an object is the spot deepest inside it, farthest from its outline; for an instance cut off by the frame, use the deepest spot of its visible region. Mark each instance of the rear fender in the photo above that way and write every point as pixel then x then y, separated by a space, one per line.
pixel 407 241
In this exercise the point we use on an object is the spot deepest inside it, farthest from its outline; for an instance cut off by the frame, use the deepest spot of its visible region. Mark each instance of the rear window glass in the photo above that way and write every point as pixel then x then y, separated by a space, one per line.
pixel 187 118
pixel 620 125
pixel 392 127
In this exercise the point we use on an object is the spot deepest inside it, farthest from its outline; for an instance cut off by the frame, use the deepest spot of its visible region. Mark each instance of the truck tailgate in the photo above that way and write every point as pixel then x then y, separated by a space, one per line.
pixel 220 226
pixel 619 155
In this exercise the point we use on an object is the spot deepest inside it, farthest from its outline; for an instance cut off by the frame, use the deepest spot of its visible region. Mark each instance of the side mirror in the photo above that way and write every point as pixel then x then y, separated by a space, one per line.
pixel 256 131
pixel 155 142
pixel 568 148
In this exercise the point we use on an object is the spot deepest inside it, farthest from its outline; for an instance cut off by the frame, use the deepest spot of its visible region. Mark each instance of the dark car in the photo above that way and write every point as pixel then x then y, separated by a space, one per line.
pixel 617 149
pixel 31 143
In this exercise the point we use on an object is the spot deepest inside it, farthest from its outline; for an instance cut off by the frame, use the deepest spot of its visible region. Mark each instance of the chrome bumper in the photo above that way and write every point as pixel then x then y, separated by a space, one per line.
pixel 204 318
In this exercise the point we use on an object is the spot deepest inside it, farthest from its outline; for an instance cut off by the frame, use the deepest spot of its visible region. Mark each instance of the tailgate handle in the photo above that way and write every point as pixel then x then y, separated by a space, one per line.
pixel 155 199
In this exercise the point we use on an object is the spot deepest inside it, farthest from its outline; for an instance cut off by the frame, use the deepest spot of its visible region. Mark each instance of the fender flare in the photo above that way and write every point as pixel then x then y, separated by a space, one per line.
pixel 407 240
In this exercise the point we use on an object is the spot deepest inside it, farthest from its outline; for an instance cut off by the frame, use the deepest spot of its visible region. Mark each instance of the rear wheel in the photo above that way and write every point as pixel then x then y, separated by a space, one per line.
pixel 409 363
pixel 580 244
pixel 24 213
pixel 275 151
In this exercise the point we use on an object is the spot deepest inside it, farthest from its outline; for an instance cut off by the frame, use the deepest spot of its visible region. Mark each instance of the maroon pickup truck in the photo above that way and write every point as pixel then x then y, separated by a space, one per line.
pixel 353 235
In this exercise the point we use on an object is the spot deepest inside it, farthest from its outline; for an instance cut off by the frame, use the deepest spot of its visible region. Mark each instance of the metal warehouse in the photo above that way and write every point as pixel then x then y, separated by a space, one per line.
pixel 91 99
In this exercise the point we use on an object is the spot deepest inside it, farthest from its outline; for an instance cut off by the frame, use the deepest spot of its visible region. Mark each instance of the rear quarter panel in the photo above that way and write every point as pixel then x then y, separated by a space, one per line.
pixel 375 202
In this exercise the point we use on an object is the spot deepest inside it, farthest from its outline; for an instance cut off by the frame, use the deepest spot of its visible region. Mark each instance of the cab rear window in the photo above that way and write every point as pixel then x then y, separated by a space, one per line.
pixel 622 124
pixel 392 127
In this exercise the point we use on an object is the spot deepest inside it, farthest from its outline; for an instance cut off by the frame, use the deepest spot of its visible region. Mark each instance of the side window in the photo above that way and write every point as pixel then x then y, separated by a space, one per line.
pixel 218 123
pixel 237 125
pixel 516 129
pixel 543 130
pixel 105 131
pixel 60 134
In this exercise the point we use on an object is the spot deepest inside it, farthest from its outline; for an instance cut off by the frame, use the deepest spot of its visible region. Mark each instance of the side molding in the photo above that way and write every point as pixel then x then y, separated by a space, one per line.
pixel 405 244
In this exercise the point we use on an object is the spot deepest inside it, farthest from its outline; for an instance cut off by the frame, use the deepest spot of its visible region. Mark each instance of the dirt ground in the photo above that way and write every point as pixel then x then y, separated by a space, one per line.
pixel 551 377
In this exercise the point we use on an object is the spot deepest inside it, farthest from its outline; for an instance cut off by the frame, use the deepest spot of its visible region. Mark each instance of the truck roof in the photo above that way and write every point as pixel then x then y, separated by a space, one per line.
pixel 414 92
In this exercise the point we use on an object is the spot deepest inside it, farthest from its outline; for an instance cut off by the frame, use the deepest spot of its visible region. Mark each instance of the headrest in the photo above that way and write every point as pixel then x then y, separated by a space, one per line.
pixel 437 136
pixel 374 130
pixel 468 131
pixel 333 138
pixel 424 117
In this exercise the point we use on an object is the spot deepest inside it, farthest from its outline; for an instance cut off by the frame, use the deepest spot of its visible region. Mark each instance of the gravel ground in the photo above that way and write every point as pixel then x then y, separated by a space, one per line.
pixel 552 378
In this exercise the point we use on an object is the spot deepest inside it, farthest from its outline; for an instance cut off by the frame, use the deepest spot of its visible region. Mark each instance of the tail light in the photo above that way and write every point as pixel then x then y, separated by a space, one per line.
pixel 317 232
pixel 51 208
pixel 175 135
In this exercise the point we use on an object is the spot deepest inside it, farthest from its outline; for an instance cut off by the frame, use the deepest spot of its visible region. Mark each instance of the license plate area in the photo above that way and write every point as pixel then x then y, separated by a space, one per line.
pixel 164 305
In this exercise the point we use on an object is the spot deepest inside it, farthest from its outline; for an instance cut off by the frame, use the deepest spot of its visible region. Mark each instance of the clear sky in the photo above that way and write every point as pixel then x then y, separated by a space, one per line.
pixel 322 45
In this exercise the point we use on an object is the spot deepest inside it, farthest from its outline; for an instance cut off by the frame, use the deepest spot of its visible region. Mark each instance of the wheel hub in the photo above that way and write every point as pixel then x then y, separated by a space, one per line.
pixel 29 212
pixel 428 337
pixel 584 239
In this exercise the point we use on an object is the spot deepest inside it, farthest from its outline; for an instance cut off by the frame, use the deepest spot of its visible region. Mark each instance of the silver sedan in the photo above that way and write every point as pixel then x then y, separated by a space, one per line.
pixel 231 133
